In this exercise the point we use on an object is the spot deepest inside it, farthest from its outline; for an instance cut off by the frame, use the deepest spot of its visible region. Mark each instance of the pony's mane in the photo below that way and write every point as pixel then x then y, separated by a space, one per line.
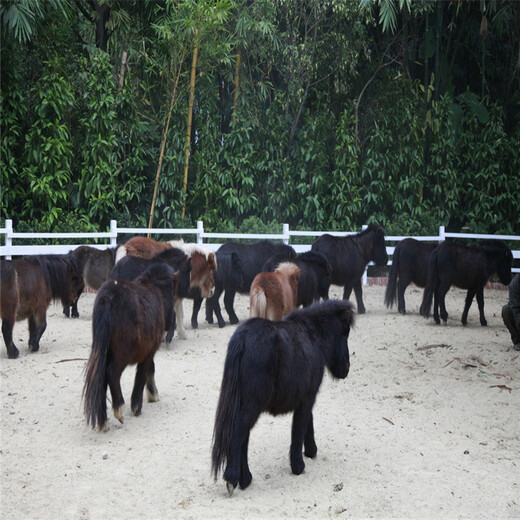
pixel 287 268
pixel 325 308
pixel 190 248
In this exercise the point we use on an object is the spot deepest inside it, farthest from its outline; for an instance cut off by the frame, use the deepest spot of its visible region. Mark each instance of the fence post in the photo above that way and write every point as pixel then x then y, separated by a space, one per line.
pixel 113 229
pixel 286 236
pixel 365 274
pixel 200 231
pixel 8 239
pixel 442 233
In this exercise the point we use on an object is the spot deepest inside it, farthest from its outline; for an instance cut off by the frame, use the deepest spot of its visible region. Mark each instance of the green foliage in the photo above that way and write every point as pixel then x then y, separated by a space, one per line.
pixel 46 172
pixel 99 189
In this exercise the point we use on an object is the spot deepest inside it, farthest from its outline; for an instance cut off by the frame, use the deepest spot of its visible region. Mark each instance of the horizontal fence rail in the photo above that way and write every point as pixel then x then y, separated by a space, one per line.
pixel 110 239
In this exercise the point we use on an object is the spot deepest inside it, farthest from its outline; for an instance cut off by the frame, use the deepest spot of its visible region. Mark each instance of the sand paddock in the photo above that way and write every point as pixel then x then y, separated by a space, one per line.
pixel 425 426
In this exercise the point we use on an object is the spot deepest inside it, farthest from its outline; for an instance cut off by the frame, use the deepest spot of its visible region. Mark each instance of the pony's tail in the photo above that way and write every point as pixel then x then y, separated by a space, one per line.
pixel 120 253
pixel 228 405
pixel 391 288
pixel 94 391
pixel 431 285
pixel 258 303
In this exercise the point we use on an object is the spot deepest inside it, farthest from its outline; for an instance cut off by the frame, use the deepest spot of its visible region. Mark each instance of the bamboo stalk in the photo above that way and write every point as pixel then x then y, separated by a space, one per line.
pixel 188 130
pixel 237 85
pixel 122 71
pixel 163 145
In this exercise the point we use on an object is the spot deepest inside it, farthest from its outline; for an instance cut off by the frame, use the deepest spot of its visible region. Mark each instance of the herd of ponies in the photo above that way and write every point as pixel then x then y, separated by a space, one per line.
pixel 276 359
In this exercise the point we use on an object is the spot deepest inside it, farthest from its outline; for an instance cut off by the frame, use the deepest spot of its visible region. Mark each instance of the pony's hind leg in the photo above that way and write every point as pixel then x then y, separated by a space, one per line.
pixel 7 333
pixel 151 390
pixel 142 377
pixel 245 474
pixel 197 302
pixel 229 299
pixel 401 287
pixel 114 382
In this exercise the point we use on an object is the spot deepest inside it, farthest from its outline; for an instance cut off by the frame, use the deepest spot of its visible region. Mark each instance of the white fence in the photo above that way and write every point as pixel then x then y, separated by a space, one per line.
pixel 200 236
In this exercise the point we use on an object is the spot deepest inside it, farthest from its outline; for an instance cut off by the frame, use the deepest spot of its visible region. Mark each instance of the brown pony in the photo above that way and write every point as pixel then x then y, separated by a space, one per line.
pixel 274 295
pixel 28 285
pixel 203 265
pixel 128 321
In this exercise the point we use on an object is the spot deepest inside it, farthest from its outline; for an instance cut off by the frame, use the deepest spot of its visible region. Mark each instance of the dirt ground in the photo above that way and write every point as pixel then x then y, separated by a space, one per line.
pixel 425 426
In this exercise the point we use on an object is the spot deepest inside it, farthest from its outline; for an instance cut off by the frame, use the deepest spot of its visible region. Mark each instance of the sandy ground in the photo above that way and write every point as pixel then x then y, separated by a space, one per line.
pixel 411 433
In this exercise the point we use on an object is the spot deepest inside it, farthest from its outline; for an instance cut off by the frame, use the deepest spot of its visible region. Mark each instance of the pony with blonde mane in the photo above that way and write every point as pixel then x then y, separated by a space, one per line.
pixel 274 295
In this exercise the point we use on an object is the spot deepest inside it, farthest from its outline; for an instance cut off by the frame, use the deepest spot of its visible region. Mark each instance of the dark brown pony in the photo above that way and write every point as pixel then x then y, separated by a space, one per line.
pixel 28 285
pixel 409 264
pixel 274 295
pixel 204 263
pixel 94 265
pixel 349 256
pixel 466 267
pixel 128 321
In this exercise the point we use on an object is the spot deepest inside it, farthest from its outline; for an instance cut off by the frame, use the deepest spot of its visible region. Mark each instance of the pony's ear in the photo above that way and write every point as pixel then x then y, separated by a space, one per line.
pixel 176 278
pixel 297 272
pixel 188 263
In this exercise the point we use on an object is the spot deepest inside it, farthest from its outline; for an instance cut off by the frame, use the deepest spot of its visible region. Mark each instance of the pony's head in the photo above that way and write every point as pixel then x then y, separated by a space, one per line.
pixel 339 364
pixel 503 257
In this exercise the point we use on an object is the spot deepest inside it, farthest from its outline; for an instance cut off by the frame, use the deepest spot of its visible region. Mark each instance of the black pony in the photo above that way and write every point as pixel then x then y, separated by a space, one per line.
pixel 252 257
pixel 130 267
pixel 349 256
pixel 228 276
pixel 93 266
pixel 314 279
pixel 128 321
pixel 27 286
pixel 466 267
pixel 277 367
pixel 409 264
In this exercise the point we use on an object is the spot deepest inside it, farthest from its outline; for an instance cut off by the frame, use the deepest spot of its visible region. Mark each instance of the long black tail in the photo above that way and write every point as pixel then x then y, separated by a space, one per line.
pixel 431 285
pixel 391 288
pixel 94 391
pixel 228 405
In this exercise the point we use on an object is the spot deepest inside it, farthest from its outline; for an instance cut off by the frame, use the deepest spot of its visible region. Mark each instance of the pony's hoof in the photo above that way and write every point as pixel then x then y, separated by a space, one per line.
pixel 233 321
pixel 194 325
pixel 118 413
pixel 103 427
pixel 221 324
pixel 483 323
pixel 13 353
pixel 230 489
pixel 34 348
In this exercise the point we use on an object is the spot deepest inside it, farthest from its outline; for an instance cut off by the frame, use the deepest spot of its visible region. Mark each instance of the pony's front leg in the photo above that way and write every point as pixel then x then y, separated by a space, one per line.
pixel 358 291
pixel 480 302
pixel 7 333
pixel 114 382
pixel 309 443
pixel 229 298
pixel 299 425
pixel 181 331
pixel 467 304
pixel 37 326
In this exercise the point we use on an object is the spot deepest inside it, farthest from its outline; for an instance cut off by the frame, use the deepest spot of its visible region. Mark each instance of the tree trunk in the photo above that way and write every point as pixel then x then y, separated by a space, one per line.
pixel 188 130
pixel 102 17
